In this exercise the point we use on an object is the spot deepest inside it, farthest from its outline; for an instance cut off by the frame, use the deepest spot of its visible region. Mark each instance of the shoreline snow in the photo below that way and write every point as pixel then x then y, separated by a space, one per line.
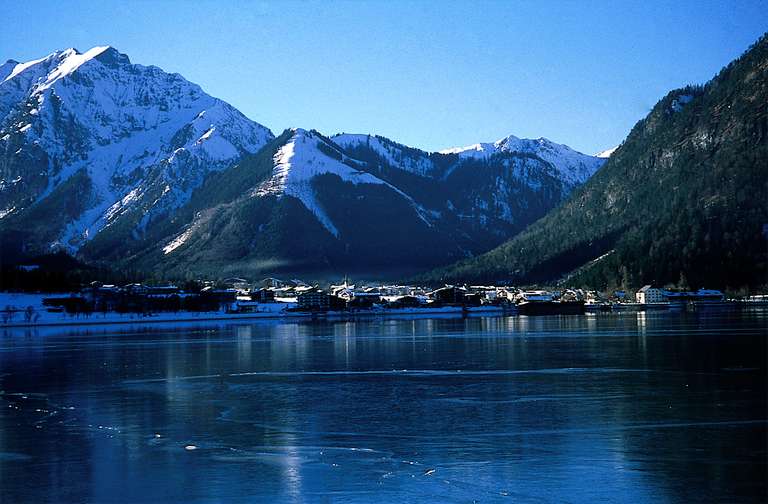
pixel 273 311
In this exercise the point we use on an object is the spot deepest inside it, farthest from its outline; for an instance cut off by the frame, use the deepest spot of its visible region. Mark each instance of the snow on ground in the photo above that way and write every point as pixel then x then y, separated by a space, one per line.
pixel 20 302
pixel 20 67
pixel 72 60
pixel 477 150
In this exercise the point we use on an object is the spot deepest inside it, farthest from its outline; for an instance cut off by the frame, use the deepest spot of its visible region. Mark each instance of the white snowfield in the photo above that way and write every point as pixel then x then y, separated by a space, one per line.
pixel 132 128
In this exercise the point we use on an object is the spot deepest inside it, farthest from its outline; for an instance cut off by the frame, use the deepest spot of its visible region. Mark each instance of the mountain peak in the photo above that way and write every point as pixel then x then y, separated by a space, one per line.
pixel 573 166
pixel 506 140
pixel 111 57
pixel 303 157
pixel 58 64
pixel 139 140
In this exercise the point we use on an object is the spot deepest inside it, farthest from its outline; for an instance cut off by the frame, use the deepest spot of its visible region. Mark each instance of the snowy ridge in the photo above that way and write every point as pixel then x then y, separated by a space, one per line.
pixel 69 61
pixel 391 152
pixel 572 166
pixel 300 160
pixel 137 131
pixel 6 68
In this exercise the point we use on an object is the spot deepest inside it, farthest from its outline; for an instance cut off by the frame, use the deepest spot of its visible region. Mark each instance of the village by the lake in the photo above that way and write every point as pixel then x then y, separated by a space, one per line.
pixel 238 298
pixel 374 252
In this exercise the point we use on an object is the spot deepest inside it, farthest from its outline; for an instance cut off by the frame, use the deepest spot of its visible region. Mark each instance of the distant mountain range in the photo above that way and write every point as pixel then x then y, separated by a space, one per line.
pixel 683 200
pixel 127 165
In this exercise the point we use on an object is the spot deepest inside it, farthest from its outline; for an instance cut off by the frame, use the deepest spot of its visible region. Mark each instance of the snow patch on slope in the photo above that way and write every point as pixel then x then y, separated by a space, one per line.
pixel 300 160
pixel 606 153
pixel 178 241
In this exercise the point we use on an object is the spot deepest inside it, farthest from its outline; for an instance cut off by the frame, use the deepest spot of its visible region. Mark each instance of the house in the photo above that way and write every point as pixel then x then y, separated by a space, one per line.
pixel 242 306
pixel 345 290
pixel 263 296
pixel 318 300
pixel 396 290
pixel 450 294
pixel 571 295
pixel 473 299
pixel 648 294
pixel 709 295
pixel 271 282
pixel 506 294
pixel 222 296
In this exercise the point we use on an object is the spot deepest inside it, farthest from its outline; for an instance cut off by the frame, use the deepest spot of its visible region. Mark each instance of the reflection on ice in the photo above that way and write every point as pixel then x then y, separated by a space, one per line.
pixel 668 407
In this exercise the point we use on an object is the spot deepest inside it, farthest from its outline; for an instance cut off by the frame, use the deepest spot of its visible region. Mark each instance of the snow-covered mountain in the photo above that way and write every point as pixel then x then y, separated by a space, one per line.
pixel 497 186
pixel 572 166
pixel 405 158
pixel 301 204
pixel 133 141
pixel 130 165
pixel 351 203
pixel 308 155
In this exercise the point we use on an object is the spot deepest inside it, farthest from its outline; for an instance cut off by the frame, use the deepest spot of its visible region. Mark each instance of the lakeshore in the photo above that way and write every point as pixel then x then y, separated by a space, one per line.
pixel 30 310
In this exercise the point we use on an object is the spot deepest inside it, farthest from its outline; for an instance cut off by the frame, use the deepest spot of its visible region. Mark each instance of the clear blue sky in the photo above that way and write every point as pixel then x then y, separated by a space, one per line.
pixel 427 74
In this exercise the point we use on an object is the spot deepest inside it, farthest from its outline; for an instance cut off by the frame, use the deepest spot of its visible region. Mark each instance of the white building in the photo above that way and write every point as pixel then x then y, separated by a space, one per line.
pixel 649 294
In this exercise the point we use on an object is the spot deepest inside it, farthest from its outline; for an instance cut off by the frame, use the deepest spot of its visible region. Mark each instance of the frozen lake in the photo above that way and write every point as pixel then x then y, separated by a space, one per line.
pixel 657 407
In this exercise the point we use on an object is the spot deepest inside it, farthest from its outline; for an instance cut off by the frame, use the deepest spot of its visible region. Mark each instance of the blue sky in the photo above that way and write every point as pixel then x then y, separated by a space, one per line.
pixel 428 74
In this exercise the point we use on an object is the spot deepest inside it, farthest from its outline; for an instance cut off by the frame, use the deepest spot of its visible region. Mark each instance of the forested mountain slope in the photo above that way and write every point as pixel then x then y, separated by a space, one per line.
pixel 683 200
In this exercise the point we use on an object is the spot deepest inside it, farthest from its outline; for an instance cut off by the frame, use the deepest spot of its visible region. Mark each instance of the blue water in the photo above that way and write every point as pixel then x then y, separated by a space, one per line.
pixel 658 407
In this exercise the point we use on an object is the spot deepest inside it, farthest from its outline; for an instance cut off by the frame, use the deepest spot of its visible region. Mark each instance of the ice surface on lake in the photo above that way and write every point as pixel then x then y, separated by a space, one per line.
pixel 613 408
